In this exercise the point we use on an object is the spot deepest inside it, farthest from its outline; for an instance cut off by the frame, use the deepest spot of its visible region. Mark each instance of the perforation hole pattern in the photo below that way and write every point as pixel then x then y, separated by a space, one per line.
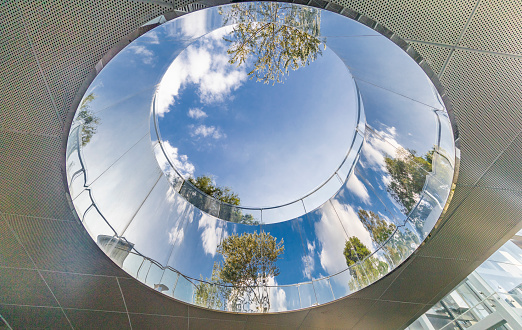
pixel 485 89
pixel 412 19
pixel 487 32
pixel 434 55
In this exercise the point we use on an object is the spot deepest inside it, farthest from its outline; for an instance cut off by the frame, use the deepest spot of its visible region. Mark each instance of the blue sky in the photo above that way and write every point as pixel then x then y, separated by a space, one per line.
pixel 270 143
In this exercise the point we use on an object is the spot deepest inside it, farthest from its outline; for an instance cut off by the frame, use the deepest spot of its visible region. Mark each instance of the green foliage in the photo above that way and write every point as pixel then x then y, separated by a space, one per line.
pixel 378 228
pixel 355 250
pixel 233 214
pixel 408 173
pixel 204 183
pixel 88 120
pixel 265 32
pixel 249 260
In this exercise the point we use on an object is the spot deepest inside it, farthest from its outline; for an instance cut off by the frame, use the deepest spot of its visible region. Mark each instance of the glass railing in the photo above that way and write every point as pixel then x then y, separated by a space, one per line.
pixel 257 215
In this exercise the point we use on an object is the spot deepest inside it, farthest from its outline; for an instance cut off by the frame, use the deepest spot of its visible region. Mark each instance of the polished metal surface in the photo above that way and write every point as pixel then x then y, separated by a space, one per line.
pixel 50 48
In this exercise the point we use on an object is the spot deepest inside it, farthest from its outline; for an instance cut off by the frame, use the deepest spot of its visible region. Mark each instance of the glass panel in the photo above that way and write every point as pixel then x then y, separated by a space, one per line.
pixel 168 281
pixel 143 270
pixel 399 120
pixel 175 179
pixel 184 290
pixel 82 203
pixel 283 213
pixel 340 284
pixel 323 194
pixel 347 167
pixel 96 225
pixel 119 198
pixel 446 144
pixel 307 295
pixel 284 298
pixel 132 264
pixel 297 260
pixel 323 290
pixel 239 215
pixel 324 238
pixel 153 230
pixel 112 132
pixel 154 276
pixel 379 61
pixel 425 215
pixel 209 295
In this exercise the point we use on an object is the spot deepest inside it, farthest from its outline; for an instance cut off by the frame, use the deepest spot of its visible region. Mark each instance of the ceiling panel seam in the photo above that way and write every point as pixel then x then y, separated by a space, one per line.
pixel 498 156
pixel 489 52
pixel 459 39
pixel 10 130
pixel 7 214
pixel 59 120
pixel 302 321
pixel 124 303
pixel 15 234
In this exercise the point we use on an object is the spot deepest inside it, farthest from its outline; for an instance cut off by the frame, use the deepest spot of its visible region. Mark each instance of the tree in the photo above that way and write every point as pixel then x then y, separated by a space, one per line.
pixel 87 119
pixel 378 228
pixel 355 250
pixel 225 195
pixel 408 173
pixel 277 37
pixel 249 261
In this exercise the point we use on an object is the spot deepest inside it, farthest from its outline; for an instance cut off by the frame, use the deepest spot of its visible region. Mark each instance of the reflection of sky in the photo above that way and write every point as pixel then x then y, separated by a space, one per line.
pixel 269 143
pixel 214 127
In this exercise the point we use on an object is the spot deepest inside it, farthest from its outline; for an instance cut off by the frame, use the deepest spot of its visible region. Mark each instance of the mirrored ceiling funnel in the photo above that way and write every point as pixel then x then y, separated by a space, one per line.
pixel 261 157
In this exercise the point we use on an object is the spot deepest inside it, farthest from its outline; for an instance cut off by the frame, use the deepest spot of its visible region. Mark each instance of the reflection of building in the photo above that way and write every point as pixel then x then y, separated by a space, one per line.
pixel 45 66
pixel 115 247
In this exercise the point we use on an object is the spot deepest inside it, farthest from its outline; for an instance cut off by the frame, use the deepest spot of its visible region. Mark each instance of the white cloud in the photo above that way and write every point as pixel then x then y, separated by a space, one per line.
pixel 211 235
pixel 376 149
pixel 152 37
pixel 196 113
pixel 308 260
pixel 206 131
pixel 357 187
pixel 352 223
pixel 195 24
pixel 202 65
pixel 277 297
pixel 147 56
pixel 176 236
pixel 180 162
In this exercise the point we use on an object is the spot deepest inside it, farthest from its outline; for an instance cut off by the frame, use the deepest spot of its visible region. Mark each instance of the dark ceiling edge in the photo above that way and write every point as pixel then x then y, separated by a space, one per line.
pixel 332 7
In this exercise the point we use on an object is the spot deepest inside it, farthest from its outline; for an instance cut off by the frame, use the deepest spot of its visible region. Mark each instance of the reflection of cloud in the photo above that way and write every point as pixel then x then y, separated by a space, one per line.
pixel 152 37
pixel 332 240
pixel 205 65
pixel 195 24
pixel 352 223
pixel 181 162
pixel 147 54
pixel 277 296
pixel 211 235
pixel 196 113
pixel 205 131
pixel 308 260
pixel 357 187
pixel 376 149
pixel 176 236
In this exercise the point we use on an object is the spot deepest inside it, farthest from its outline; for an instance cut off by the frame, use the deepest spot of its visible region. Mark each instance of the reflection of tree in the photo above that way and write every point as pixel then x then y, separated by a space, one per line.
pixel 248 263
pixel 278 37
pixel 378 228
pixel 408 173
pixel 87 119
pixel 204 183
pixel 363 267
pixel 225 194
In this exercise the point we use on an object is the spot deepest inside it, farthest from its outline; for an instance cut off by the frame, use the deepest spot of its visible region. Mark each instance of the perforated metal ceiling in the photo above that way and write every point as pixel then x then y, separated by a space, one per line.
pixel 53 275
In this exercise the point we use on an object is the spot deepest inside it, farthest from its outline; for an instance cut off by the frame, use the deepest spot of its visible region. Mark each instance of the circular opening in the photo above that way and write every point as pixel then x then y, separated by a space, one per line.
pixel 268 129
